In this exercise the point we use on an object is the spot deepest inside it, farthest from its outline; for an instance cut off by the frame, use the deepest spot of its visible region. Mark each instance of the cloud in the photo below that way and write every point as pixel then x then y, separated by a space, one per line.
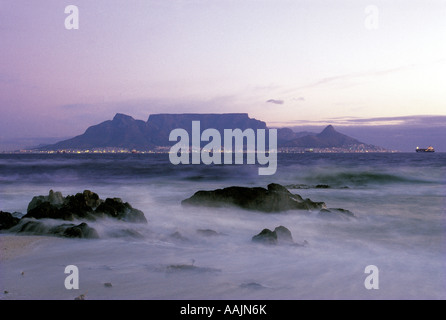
pixel 275 101
pixel 354 77
pixel 409 121
pixel 416 120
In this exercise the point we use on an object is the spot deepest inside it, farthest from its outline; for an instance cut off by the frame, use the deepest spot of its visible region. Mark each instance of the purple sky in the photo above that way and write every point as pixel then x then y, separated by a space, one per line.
pixel 284 62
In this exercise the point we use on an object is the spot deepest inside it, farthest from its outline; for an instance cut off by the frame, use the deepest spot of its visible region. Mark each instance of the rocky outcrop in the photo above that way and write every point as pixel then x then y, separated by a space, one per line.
pixel 266 236
pixel 54 198
pixel 284 234
pixel 67 230
pixel 86 205
pixel 117 209
pixel 81 206
pixel 280 235
pixel 7 220
pixel 338 214
pixel 275 198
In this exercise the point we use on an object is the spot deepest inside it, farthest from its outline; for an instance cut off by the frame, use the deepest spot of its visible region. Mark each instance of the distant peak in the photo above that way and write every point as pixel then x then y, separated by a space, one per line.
pixel 328 131
pixel 329 128
pixel 121 116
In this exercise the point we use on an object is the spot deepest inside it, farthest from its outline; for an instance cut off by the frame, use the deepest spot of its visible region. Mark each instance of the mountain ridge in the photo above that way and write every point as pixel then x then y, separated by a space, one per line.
pixel 125 132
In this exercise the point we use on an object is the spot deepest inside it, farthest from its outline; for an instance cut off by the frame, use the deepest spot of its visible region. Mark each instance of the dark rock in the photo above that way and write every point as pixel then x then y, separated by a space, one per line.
pixel 80 297
pixel 284 235
pixel 91 199
pixel 81 205
pixel 45 210
pixel 208 232
pixel 116 208
pixel 252 286
pixel 275 198
pixel 30 227
pixel 280 235
pixel 322 186
pixel 54 206
pixel 80 231
pixel 54 198
pixel 7 220
pixel 86 205
pixel 178 236
pixel 189 268
pixel 266 236
pixel 336 214
pixel 298 186
pixel 67 230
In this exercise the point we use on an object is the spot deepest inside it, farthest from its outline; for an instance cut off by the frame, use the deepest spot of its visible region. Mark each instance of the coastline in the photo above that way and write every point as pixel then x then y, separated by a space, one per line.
pixel 13 246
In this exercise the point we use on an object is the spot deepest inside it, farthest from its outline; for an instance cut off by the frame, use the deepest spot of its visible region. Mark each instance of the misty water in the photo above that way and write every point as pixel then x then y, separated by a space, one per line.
pixel 399 201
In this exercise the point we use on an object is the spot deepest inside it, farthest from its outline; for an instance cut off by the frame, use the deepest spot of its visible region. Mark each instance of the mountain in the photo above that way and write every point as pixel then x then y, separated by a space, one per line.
pixel 124 132
pixel 121 132
pixel 328 138
pixel 284 135
pixel 159 126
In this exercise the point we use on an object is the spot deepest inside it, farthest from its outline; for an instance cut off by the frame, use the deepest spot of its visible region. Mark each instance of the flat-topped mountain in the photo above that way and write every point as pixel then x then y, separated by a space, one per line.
pixel 159 126
pixel 127 133
pixel 124 132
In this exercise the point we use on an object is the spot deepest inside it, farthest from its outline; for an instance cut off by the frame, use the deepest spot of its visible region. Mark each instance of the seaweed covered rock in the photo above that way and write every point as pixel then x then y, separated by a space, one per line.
pixel 276 198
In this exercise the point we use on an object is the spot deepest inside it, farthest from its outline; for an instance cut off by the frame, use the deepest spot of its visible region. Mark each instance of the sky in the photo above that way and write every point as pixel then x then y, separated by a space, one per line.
pixel 286 62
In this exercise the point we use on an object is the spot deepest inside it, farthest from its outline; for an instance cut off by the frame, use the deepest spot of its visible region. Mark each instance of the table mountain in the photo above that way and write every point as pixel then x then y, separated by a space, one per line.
pixel 124 132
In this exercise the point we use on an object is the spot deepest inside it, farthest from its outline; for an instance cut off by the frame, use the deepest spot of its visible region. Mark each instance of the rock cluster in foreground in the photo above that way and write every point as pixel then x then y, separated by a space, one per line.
pixel 86 205
pixel 82 206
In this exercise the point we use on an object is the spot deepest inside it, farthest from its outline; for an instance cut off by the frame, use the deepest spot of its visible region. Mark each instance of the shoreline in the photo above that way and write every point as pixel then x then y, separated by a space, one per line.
pixel 14 246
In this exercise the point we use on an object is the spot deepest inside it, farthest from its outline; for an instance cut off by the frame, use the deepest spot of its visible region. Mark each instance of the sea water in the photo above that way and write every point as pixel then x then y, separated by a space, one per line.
pixel 399 200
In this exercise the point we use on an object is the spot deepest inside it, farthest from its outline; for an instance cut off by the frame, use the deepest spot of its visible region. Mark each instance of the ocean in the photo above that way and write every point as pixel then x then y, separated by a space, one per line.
pixel 399 201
